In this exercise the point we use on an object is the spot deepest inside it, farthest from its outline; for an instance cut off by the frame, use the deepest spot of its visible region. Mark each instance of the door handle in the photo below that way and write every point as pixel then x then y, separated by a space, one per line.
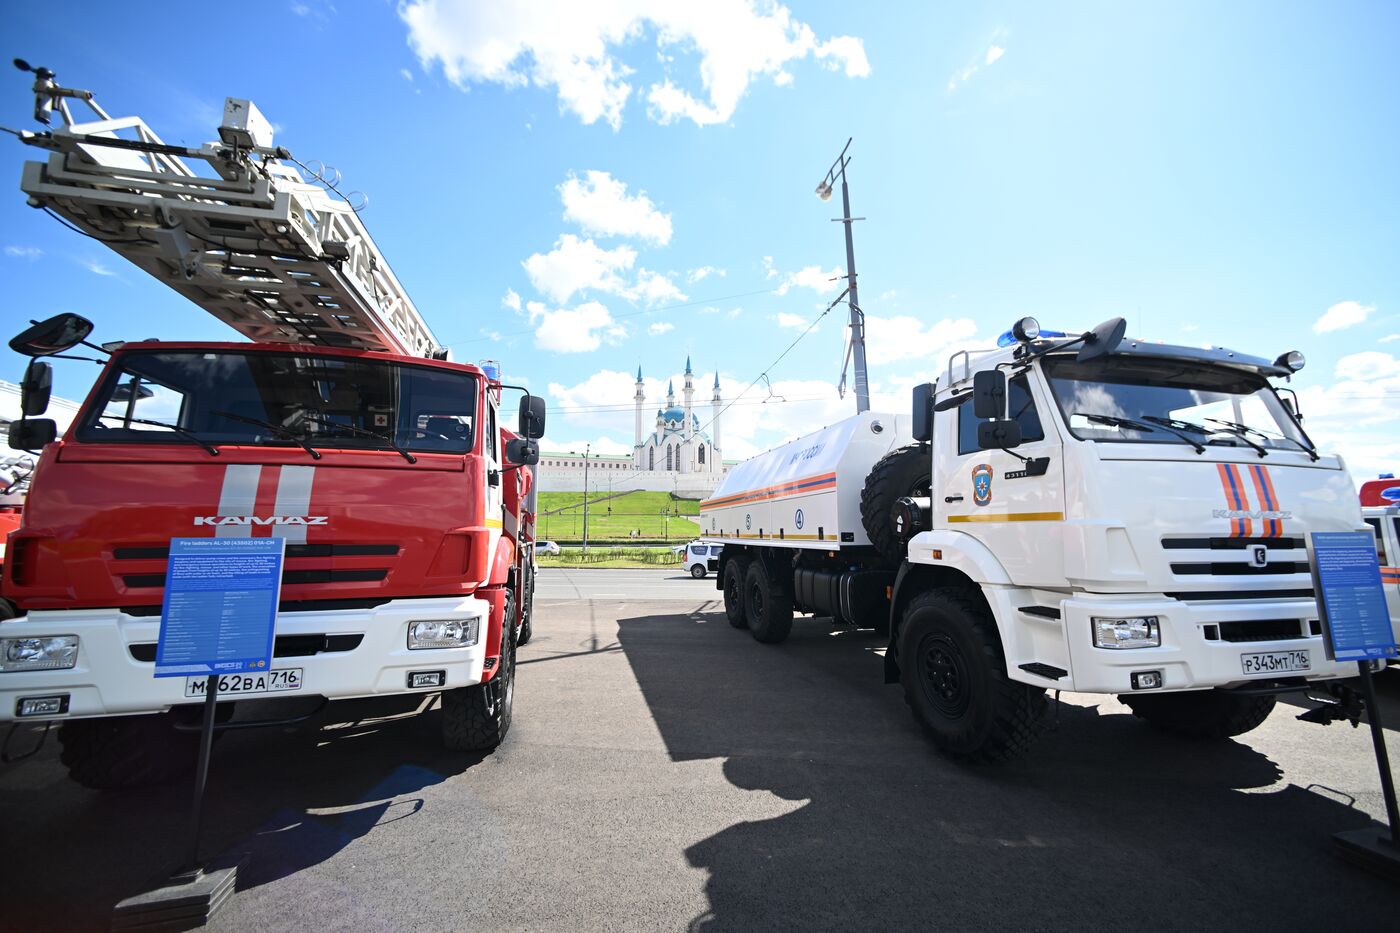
pixel 952 498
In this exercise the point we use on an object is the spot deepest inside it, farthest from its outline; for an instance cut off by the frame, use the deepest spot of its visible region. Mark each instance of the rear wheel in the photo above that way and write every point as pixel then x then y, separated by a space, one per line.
pixel 698 571
pixel 1202 714
pixel 767 607
pixel 904 472
pixel 955 682
pixel 477 718
pixel 132 751
pixel 734 570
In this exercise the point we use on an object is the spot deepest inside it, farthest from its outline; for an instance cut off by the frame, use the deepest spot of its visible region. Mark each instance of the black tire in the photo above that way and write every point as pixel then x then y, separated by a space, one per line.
pixel 954 676
pixel 1202 714
pixel 117 752
pixel 767 607
pixel 477 718
pixel 734 570
pixel 903 472
pixel 698 571
pixel 526 627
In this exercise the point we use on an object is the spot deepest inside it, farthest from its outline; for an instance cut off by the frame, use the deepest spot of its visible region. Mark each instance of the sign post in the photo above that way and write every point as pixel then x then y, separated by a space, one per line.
pixel 217 620
pixel 1356 627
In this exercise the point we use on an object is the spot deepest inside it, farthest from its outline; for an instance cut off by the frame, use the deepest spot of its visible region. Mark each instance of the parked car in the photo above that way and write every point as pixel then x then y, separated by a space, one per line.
pixel 546 547
pixel 701 558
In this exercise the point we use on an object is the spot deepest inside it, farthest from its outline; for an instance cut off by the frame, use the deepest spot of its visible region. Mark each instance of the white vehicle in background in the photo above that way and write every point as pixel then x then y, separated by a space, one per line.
pixel 546 547
pixel 701 558
pixel 1087 513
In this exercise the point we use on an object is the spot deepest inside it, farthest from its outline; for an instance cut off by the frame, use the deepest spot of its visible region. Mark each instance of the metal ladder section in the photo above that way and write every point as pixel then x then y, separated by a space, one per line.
pixel 247 238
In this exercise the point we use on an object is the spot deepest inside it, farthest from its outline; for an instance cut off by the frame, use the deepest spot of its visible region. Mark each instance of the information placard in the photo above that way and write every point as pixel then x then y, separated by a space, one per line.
pixel 220 606
pixel 1350 599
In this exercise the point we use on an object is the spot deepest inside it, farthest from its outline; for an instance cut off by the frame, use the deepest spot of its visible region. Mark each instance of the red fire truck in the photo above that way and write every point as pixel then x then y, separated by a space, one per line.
pixel 342 427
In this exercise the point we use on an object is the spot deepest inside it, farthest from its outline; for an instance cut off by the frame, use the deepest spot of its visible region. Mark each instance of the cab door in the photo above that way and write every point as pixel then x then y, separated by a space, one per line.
pixel 495 478
pixel 1015 508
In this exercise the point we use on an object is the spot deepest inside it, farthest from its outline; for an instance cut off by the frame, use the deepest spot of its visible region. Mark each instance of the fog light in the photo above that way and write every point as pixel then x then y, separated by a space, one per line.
pixel 418 679
pixel 443 633
pixel 42 706
pixel 1146 680
pixel 1137 632
pixel 45 653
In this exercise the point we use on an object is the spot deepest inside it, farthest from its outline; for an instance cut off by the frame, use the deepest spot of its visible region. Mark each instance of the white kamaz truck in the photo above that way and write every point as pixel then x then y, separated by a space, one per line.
pixel 1082 513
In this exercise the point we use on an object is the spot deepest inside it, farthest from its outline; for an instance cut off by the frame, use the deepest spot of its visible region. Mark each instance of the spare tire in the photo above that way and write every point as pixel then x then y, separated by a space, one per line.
pixel 907 471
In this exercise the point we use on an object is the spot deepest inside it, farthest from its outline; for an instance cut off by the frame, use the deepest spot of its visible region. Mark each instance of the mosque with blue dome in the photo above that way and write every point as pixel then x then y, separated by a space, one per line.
pixel 676 444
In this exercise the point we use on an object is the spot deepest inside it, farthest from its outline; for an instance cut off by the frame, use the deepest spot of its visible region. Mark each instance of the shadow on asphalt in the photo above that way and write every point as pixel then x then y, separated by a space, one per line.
pixel 1106 824
pixel 292 798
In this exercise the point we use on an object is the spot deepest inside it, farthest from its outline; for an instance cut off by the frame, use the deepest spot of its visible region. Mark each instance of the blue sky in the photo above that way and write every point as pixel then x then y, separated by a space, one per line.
pixel 550 181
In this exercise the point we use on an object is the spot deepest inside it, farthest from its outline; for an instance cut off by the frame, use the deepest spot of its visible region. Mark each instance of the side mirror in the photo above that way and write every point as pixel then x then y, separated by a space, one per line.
pixel 1103 340
pixel 58 333
pixel 522 451
pixel 998 434
pixel 989 393
pixel 32 433
pixel 36 388
pixel 923 412
pixel 532 417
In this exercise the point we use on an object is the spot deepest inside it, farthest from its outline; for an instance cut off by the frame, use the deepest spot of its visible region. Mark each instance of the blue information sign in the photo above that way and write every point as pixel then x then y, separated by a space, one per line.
pixel 220 606
pixel 1347 576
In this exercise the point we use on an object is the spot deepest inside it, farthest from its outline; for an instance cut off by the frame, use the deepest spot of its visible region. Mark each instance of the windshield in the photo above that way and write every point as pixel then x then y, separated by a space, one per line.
pixel 280 400
pixel 1158 401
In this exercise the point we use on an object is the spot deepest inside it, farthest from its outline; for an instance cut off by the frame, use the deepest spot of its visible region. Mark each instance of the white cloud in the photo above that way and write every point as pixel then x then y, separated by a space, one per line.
pixel 814 277
pixel 407 75
pixel 770 271
pixel 1367 365
pixel 601 205
pixel 903 337
pixel 993 54
pixel 574 330
pixel 703 273
pixel 575 265
pixel 1342 315
pixel 24 252
pixel 1357 416
pixel 574 48
pixel 600 445
pixel 794 321
pixel 511 300
pixel 653 288
pixel 1389 338
pixel 660 327
pixel 96 268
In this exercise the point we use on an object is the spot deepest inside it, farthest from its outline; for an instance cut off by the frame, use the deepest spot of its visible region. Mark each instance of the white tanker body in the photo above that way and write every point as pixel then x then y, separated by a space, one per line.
pixel 1087 514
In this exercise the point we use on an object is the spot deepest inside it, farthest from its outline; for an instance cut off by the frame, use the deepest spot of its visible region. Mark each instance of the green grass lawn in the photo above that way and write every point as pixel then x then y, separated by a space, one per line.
pixel 633 557
pixel 612 519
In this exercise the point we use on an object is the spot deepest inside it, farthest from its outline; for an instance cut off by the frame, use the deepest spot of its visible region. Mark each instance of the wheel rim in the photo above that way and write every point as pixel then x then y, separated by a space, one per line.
pixel 732 591
pixel 944 676
pixel 756 601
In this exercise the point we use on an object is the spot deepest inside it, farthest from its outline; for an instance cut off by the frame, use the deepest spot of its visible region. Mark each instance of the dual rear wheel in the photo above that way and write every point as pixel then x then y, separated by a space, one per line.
pixel 755 600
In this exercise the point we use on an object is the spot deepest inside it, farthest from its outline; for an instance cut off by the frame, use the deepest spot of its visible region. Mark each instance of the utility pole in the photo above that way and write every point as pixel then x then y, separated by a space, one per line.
pixel 838 168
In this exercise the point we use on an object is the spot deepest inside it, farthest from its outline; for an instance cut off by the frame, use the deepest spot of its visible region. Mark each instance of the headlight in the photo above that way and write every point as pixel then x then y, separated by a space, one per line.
pixel 443 633
pixel 1137 632
pixel 46 653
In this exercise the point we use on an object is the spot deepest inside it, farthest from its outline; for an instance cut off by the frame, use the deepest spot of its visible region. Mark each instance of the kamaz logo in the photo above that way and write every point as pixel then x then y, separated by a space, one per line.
pixel 1250 513
pixel 254 520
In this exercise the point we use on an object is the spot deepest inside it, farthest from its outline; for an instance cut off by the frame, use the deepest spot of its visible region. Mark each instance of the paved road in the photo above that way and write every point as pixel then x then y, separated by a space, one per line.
pixel 666 772
pixel 623 585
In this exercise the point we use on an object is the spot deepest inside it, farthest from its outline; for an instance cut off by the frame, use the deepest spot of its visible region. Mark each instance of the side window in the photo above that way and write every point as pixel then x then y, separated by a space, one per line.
pixel 493 437
pixel 1021 407
pixel 1375 524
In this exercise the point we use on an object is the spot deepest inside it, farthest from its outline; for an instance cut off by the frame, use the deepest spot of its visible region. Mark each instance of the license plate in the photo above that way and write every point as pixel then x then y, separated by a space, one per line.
pixel 243 684
pixel 1276 662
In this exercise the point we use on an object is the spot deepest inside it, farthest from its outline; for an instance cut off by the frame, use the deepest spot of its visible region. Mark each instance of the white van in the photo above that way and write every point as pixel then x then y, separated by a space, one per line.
pixel 701 558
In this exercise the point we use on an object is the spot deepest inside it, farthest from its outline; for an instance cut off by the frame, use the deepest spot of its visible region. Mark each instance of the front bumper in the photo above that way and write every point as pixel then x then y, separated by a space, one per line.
pixel 109 681
pixel 1196 651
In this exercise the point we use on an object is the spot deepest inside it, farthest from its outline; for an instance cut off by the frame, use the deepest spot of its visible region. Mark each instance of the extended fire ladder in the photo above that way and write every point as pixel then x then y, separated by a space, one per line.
pixel 249 238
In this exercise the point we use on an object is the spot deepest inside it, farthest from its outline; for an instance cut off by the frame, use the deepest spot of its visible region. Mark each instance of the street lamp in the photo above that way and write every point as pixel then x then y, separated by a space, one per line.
pixel 838 169
pixel 587 448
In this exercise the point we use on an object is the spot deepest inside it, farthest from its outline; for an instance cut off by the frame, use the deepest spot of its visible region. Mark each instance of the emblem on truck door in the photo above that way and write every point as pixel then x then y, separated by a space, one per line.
pixel 982 483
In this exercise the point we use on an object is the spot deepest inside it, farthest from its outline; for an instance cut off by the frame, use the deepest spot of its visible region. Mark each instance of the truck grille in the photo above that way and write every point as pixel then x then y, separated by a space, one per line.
pixel 1214 561
pixel 306 564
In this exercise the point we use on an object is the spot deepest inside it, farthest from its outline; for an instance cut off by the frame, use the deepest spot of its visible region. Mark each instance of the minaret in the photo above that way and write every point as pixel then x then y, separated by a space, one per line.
pixel 640 398
pixel 689 391
pixel 716 462
pixel 670 393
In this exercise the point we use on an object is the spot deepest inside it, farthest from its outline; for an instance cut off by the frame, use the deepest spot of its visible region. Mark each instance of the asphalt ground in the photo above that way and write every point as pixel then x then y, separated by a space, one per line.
pixel 666 772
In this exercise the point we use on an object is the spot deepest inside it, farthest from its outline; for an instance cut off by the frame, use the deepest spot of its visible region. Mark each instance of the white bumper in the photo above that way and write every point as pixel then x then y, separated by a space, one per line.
pixel 1195 653
pixel 108 680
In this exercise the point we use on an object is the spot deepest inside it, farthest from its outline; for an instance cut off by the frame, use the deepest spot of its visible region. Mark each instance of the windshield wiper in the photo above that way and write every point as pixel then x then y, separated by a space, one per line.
pixel 1244 428
pixel 1203 430
pixel 274 428
pixel 362 432
pixel 1117 422
pixel 183 432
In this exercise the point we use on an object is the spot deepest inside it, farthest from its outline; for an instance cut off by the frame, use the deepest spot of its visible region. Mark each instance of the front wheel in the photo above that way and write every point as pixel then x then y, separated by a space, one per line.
pixel 698 571
pixel 954 677
pixel 118 752
pixel 1202 714
pixel 477 718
